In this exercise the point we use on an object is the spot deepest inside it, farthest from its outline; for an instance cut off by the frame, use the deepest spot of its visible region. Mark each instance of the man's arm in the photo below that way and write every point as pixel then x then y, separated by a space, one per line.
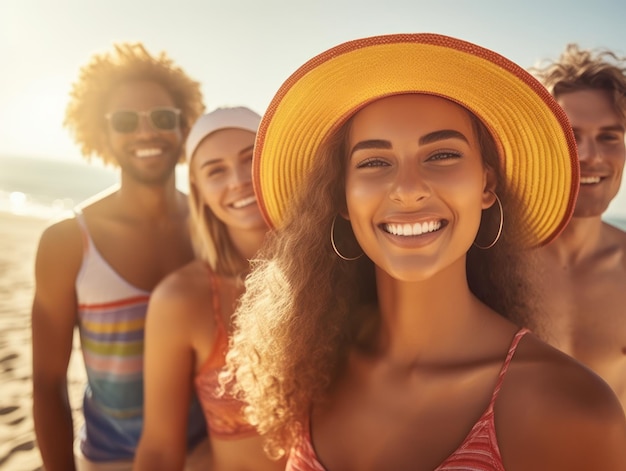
pixel 53 320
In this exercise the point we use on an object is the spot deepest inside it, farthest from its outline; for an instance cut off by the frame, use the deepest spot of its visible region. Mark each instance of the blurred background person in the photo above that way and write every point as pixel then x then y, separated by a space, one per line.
pixel 582 275
pixel 189 316
pixel 96 270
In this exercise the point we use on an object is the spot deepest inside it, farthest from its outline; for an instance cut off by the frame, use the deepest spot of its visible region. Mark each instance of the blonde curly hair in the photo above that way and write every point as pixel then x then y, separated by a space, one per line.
pixel 84 116
pixel 583 69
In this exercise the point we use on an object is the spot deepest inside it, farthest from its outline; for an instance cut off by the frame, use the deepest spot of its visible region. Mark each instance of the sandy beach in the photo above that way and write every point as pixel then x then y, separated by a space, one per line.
pixel 19 236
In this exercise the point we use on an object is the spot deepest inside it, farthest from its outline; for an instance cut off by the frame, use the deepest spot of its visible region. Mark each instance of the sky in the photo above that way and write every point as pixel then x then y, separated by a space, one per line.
pixel 241 51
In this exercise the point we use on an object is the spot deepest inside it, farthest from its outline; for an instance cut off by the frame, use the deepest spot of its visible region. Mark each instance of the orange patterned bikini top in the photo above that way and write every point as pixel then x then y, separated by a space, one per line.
pixel 224 414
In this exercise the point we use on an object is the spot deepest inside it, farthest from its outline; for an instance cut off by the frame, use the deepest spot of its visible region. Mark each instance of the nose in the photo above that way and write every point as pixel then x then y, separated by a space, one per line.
pixel 144 126
pixel 587 149
pixel 409 185
pixel 240 176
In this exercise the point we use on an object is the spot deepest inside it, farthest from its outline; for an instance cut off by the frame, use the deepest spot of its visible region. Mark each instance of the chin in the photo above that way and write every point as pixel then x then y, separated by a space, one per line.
pixel 254 225
pixel 411 274
pixel 589 212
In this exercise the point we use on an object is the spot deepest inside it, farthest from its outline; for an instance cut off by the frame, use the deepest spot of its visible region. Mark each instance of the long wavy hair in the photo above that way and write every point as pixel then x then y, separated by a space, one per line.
pixel 84 115
pixel 583 69
pixel 298 319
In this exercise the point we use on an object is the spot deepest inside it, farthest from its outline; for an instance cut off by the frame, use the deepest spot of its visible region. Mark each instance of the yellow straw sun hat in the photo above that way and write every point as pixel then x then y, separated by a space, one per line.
pixel 535 141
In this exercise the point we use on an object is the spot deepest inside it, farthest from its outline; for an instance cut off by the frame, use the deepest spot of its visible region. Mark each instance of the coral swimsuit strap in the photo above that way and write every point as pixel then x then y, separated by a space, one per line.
pixel 478 452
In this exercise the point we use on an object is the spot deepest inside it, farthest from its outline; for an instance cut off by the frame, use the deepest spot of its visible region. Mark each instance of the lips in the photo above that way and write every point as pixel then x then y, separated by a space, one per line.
pixel 411 230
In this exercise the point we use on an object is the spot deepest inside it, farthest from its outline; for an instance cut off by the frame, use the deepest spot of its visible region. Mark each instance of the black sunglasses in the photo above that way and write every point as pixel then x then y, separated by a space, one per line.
pixel 127 121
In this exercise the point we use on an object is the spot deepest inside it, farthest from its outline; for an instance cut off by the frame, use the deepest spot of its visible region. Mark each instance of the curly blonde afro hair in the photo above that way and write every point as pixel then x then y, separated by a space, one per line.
pixel 84 116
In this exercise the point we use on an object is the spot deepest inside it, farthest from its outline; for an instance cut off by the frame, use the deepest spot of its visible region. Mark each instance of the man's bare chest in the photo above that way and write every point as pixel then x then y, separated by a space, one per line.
pixel 586 313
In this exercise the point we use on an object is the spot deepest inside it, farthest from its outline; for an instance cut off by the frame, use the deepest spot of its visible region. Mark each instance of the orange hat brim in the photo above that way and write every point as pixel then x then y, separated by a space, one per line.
pixel 534 137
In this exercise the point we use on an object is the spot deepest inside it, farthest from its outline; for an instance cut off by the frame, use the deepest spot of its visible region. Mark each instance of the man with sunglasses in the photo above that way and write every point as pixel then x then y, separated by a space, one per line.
pixel 96 270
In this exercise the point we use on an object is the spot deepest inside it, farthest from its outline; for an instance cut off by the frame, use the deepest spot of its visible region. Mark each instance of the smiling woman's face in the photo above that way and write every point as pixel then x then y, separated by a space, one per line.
pixel 221 169
pixel 415 184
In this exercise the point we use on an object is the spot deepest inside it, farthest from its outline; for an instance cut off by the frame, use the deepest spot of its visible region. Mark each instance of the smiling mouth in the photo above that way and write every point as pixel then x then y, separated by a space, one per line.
pixel 242 203
pixel 144 153
pixel 409 230
pixel 589 180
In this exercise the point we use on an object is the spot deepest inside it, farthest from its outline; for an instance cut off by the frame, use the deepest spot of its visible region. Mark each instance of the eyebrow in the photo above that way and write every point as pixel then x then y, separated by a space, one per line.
pixel 371 144
pixel 617 128
pixel 426 139
pixel 246 150
pixel 206 163
pixel 441 135
pixel 612 128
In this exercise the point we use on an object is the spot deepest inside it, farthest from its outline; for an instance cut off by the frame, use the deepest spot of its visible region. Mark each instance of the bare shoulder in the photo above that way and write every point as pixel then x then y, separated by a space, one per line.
pixel 180 310
pixel 57 264
pixel 561 411
pixel 615 234
pixel 185 288
pixel 61 246
pixel 62 232
pixel 565 384
pixel 184 296
pixel 65 233
pixel 192 279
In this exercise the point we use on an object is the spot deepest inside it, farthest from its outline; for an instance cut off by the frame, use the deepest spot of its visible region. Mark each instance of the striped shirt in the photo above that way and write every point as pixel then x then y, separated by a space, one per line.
pixel 478 452
pixel 111 320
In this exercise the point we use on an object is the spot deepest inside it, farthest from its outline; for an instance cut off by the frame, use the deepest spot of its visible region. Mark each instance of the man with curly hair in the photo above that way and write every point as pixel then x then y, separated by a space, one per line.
pixel 96 270
pixel 584 270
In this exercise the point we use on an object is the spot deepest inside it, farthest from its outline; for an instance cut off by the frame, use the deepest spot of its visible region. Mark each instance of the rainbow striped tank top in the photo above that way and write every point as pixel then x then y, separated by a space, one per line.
pixel 111 320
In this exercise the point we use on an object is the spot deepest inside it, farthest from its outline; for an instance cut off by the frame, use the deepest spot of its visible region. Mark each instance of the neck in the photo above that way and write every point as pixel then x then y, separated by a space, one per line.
pixel 248 241
pixel 426 318
pixel 151 202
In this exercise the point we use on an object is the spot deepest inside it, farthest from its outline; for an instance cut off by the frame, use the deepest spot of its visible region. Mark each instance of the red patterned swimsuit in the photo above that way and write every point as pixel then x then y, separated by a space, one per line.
pixel 478 452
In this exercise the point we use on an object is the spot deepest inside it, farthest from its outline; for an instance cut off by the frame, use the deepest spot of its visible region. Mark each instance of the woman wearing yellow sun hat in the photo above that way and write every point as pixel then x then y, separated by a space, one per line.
pixel 405 177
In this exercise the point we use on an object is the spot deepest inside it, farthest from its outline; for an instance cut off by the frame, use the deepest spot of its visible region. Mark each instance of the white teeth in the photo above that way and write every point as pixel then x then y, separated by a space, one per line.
pixel 244 202
pixel 142 153
pixel 589 180
pixel 412 229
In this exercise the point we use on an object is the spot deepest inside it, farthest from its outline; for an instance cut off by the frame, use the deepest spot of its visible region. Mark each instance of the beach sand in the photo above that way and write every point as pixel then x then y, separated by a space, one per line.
pixel 19 236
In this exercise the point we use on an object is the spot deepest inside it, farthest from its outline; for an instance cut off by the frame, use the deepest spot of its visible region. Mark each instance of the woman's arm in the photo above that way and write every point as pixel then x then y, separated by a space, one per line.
pixel 169 365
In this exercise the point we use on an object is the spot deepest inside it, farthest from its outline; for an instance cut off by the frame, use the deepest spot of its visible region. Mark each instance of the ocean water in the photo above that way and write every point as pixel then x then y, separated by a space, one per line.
pixel 47 188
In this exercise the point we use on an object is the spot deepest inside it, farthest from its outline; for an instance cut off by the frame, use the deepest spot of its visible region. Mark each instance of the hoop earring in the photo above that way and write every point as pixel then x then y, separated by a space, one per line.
pixel 495 241
pixel 335 249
